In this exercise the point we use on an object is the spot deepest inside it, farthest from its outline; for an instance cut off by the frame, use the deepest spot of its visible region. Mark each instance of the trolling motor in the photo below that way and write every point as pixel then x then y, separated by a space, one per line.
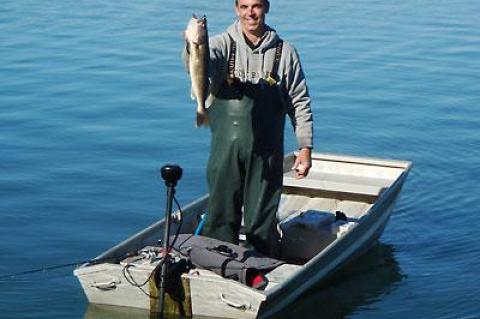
pixel 171 173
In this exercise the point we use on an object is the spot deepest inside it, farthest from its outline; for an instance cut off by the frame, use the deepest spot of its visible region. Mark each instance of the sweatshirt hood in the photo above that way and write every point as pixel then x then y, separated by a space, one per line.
pixel 270 38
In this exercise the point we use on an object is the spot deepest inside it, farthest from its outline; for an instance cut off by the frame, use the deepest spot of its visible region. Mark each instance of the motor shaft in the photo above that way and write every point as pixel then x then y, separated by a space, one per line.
pixel 171 173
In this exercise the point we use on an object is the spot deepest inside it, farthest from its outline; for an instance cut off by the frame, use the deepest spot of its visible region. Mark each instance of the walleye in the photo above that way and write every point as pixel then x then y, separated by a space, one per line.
pixel 197 41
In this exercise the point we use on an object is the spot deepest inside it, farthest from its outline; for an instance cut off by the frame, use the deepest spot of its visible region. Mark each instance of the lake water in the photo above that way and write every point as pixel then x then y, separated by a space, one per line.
pixel 94 100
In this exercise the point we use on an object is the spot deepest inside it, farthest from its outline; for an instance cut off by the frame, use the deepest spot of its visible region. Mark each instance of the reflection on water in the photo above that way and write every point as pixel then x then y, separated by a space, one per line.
pixel 358 285
pixel 110 312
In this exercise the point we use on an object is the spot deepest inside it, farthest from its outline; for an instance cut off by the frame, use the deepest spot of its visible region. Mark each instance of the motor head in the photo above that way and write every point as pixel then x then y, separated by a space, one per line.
pixel 171 173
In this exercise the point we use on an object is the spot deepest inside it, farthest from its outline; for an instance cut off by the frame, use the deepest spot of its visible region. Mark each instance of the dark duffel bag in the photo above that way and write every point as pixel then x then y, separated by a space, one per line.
pixel 226 259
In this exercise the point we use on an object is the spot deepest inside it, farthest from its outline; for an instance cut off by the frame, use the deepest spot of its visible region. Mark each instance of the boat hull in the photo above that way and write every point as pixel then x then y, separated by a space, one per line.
pixel 373 183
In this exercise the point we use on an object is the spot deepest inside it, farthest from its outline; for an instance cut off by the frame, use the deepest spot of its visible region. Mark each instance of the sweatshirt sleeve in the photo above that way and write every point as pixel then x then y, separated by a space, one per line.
pixel 299 102
pixel 218 61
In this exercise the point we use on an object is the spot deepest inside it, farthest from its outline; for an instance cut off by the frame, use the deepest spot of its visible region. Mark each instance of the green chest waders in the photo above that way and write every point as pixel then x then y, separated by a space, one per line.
pixel 245 168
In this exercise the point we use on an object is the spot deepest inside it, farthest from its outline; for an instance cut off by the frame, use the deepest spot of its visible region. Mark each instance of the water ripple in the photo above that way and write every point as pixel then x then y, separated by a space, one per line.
pixel 94 99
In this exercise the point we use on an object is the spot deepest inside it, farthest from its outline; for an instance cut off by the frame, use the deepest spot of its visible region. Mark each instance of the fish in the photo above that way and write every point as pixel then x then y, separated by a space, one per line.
pixel 196 36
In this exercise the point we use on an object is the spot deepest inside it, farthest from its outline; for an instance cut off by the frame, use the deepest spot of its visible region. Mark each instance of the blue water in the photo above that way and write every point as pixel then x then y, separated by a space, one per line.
pixel 94 100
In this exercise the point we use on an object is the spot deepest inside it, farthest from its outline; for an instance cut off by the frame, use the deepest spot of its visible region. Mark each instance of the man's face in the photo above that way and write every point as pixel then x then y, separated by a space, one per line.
pixel 252 15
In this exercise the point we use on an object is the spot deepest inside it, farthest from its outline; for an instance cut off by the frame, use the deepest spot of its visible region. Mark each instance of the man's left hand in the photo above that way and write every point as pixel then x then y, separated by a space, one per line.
pixel 303 162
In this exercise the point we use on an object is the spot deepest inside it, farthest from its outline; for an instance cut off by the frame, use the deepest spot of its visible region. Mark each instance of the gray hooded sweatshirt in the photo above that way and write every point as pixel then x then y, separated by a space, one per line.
pixel 252 65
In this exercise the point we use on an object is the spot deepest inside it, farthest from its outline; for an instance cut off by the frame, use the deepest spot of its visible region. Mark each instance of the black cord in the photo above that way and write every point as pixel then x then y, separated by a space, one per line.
pixel 134 283
pixel 54 267
pixel 179 226
pixel 126 271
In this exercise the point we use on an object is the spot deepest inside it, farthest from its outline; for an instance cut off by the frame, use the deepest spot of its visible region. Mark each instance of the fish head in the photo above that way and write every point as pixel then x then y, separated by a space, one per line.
pixel 197 30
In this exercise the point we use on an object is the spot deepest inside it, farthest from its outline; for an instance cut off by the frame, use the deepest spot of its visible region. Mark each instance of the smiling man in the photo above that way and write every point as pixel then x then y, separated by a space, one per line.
pixel 251 15
pixel 255 80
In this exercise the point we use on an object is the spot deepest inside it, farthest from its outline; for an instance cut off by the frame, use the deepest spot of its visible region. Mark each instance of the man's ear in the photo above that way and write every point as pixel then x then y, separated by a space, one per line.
pixel 267 6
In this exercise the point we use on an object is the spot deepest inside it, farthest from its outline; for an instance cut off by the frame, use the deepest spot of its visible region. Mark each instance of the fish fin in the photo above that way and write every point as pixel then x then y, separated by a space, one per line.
pixel 202 119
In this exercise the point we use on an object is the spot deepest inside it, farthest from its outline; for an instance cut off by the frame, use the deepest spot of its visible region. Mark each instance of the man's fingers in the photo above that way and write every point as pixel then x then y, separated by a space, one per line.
pixel 301 170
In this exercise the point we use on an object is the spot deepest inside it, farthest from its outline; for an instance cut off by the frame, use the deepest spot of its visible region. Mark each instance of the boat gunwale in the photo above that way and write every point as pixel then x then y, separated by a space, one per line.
pixel 146 232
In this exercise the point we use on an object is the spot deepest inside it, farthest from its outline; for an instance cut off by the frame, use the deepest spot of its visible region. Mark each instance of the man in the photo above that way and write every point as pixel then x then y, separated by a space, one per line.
pixel 256 78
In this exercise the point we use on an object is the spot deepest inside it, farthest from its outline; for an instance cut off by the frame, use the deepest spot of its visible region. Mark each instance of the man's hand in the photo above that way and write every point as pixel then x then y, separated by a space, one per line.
pixel 303 163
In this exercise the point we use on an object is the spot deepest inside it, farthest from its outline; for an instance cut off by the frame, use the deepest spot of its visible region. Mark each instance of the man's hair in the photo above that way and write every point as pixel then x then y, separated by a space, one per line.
pixel 264 2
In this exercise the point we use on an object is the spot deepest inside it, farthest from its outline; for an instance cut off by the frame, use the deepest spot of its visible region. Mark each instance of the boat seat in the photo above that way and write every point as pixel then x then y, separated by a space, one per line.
pixel 342 183
pixel 291 204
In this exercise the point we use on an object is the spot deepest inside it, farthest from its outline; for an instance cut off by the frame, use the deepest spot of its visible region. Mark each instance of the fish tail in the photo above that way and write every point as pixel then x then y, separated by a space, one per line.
pixel 202 119
pixel 192 94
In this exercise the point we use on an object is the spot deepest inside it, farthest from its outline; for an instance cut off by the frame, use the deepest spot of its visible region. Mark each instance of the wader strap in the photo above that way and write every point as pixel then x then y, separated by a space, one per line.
pixel 273 76
pixel 276 62
pixel 231 59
